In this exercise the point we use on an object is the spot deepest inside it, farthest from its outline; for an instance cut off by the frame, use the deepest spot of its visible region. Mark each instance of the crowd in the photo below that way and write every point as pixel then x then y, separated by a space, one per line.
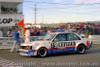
pixel 84 28
pixel 42 31
pixel 90 28
pixel 81 28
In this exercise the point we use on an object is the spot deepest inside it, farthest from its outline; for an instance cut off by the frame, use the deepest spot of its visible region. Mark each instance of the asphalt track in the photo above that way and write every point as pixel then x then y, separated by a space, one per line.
pixel 90 59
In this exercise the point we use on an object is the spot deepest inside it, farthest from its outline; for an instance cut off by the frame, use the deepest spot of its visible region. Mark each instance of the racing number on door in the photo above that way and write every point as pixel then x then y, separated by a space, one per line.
pixel 62 44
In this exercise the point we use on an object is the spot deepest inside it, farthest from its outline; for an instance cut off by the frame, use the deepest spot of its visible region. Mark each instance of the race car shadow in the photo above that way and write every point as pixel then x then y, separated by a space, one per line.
pixel 92 51
pixel 61 54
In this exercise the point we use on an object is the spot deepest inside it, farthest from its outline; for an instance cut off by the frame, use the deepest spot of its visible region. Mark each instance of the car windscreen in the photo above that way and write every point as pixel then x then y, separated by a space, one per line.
pixel 49 37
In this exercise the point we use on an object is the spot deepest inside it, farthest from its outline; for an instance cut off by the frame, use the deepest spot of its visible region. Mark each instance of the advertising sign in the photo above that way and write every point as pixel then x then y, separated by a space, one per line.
pixel 10 20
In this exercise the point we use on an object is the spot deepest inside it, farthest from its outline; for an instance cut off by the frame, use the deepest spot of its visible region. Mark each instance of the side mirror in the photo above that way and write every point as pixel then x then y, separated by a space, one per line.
pixel 55 40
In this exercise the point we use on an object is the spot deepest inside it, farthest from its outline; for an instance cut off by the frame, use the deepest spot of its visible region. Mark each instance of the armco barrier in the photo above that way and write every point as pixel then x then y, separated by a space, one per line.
pixel 4 40
pixel 95 39
pixel 7 42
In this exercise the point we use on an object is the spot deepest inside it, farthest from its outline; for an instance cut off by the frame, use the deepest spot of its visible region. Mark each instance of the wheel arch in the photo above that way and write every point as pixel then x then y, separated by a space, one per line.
pixel 42 47
pixel 81 48
pixel 37 48
pixel 38 54
pixel 82 44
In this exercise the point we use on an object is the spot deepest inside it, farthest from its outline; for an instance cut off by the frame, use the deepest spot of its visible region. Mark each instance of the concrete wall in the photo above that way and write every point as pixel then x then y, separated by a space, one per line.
pixel 95 39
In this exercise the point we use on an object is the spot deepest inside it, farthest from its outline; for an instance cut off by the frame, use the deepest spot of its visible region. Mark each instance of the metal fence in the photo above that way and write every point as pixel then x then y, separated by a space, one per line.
pixel 7 42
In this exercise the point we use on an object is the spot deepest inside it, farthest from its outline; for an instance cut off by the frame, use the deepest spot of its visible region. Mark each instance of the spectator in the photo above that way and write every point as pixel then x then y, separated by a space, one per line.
pixel 16 40
pixel 27 35
pixel 41 31
pixel 10 33
pixel 38 33
pixel 60 30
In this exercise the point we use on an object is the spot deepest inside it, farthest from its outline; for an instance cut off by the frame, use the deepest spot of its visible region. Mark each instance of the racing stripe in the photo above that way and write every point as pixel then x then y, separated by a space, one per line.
pixel 62 48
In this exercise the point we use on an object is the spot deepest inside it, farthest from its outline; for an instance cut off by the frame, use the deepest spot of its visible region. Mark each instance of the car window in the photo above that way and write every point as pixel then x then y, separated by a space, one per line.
pixel 49 36
pixel 71 37
pixel 60 37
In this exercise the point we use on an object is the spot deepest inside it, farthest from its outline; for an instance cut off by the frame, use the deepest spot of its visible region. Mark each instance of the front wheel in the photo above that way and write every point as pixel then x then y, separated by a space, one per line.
pixel 42 52
pixel 81 49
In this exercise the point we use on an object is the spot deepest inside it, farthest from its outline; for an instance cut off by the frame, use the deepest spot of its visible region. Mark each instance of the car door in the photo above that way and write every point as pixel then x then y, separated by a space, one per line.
pixel 65 42
pixel 72 39
pixel 58 42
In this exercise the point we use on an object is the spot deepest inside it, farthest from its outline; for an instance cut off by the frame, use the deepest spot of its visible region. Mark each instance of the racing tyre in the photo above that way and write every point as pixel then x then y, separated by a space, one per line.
pixel 42 52
pixel 81 49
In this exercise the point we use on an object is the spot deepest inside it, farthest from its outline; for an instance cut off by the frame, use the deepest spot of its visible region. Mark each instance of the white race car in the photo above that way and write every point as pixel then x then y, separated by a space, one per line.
pixel 56 43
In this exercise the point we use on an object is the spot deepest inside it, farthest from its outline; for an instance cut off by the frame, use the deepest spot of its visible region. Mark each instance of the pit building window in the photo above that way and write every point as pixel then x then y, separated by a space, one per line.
pixel 11 8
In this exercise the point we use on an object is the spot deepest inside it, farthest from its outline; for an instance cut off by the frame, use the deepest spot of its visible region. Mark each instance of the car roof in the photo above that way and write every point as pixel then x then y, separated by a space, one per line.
pixel 61 32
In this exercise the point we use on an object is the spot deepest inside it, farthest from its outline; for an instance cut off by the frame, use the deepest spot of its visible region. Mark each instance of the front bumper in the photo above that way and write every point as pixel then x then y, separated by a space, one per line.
pixel 88 47
pixel 24 52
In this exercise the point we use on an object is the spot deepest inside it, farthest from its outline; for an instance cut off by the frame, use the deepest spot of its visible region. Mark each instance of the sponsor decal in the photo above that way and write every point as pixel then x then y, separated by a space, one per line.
pixel 6 21
pixel 36 44
pixel 62 44
pixel 88 43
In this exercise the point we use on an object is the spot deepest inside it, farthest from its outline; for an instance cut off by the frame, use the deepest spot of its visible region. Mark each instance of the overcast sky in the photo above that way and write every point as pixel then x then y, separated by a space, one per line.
pixel 55 11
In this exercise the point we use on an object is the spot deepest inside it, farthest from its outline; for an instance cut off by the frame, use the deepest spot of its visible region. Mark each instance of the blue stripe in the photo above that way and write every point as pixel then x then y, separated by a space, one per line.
pixel 30 52
pixel 61 50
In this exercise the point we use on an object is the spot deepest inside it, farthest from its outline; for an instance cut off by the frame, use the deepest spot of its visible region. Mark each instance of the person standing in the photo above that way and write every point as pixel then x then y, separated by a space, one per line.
pixel 10 33
pixel 1 33
pixel 16 40
pixel 27 35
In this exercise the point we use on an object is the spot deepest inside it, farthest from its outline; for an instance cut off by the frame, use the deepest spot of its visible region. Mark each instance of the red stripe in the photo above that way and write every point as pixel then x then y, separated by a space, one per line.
pixel 69 47
pixel 62 48
pixel 52 48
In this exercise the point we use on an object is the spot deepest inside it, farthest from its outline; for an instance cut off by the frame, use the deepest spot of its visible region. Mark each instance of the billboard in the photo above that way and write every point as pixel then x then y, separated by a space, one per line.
pixel 10 20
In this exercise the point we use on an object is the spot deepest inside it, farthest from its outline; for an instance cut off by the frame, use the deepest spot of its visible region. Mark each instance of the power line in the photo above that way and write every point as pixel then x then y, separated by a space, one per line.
pixel 61 3
pixel 67 4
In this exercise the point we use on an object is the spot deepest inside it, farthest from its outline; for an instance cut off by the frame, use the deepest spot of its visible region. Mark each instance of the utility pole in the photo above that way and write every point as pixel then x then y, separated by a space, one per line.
pixel 35 14
pixel 42 19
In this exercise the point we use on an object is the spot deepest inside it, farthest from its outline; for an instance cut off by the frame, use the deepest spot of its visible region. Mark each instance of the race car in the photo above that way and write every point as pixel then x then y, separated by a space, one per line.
pixel 57 42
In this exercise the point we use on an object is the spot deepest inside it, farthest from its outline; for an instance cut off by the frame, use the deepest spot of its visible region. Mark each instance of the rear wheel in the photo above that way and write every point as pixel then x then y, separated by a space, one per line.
pixel 42 52
pixel 81 49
